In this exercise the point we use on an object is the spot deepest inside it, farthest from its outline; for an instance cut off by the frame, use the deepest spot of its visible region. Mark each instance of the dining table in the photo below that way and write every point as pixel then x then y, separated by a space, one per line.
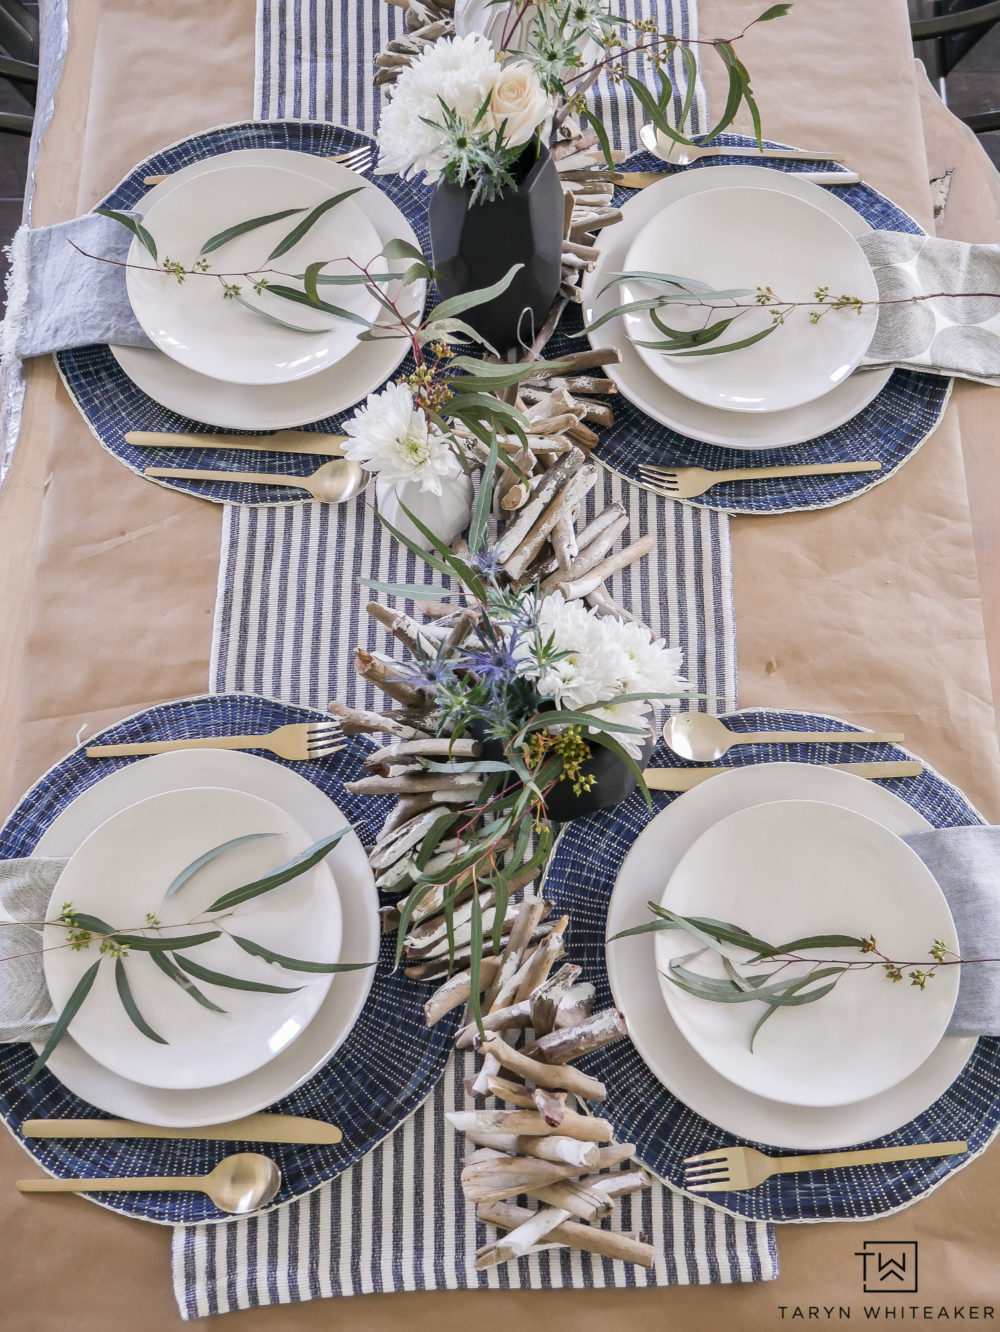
pixel 884 611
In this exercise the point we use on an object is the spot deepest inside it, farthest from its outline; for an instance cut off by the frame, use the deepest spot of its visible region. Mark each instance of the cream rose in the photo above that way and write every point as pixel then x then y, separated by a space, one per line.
pixel 519 100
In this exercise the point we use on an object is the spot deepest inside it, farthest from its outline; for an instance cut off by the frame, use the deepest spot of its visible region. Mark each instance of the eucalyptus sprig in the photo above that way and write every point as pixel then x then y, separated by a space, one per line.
pixel 744 955
pixel 170 952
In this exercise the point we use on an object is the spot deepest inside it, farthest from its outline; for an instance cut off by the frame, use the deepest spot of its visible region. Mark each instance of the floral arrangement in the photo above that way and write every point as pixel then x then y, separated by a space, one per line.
pixel 466 108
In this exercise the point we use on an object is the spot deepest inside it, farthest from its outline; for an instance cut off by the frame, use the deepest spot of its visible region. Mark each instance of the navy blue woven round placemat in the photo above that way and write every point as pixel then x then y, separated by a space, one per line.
pixel 889 430
pixel 580 878
pixel 113 405
pixel 380 1075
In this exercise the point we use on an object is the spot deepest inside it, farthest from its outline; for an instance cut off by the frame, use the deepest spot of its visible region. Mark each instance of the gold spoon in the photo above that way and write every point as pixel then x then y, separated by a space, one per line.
pixel 239 1184
pixel 703 738
pixel 683 154
pixel 333 483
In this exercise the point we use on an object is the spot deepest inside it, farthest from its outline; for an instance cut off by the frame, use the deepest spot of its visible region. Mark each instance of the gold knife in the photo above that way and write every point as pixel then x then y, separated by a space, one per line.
pixel 283 441
pixel 254 1128
pixel 682 779
pixel 638 180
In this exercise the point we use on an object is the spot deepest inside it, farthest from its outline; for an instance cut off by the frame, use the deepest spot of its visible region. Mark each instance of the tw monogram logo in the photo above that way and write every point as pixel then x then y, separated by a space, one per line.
pixel 889 1267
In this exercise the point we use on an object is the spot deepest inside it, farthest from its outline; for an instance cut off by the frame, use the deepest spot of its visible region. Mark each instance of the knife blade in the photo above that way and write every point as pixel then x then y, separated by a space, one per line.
pixel 682 779
pixel 254 1128
pixel 283 441
pixel 638 180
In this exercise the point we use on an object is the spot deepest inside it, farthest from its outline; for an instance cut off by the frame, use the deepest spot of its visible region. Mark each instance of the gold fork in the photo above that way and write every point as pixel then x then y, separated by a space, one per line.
pixel 298 740
pixel 358 159
pixel 687 482
pixel 729 1169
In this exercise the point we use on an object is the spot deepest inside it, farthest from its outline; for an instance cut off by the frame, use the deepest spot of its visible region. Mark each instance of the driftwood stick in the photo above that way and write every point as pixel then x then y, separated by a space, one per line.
pixel 577 1198
pixel 558 1047
pixel 457 989
pixel 402 839
pixel 406 808
pixel 506 1177
pixel 592 1239
pixel 500 1019
pixel 604 604
pixel 552 1107
pixel 560 1077
pixel 542 960
pixel 355 721
pixel 546 998
pixel 435 928
pixel 522 1240
pixel 574 362
pixel 530 913
pixel 575 1006
pixel 553 480
pixel 621 559
pixel 410 784
pixel 437 968
pixel 579 484
pixel 431 747
pixel 531 1124
pixel 560 1150
pixel 382 674
pixel 616 1186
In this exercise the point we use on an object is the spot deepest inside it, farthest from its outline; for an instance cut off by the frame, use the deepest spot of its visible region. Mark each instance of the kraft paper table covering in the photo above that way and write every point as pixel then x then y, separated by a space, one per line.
pixel 871 612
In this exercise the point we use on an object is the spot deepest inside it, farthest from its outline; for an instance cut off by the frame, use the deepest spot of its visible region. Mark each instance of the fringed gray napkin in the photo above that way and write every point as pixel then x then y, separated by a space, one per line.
pixel 58 298
pixel 26 887
pixel 957 333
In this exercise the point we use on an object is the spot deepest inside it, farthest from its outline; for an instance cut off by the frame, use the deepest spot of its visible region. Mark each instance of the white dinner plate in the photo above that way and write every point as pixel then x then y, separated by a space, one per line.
pixel 196 323
pixel 120 874
pixel 632 967
pixel 747 238
pixel 793 869
pixel 769 430
pixel 338 1012
pixel 281 406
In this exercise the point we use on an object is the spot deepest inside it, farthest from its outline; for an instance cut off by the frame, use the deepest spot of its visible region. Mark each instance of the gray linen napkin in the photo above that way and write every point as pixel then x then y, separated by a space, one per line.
pixel 966 864
pixel 950 335
pixel 58 298
pixel 25 889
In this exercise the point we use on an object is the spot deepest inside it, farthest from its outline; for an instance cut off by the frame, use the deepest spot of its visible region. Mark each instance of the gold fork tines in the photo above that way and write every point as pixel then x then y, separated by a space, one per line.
pixel 729 1169
pixel 297 740
pixel 358 160
pixel 689 482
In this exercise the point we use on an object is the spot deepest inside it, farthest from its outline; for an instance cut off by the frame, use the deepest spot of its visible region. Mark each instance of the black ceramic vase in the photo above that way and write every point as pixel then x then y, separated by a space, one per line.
pixel 474 245
pixel 615 781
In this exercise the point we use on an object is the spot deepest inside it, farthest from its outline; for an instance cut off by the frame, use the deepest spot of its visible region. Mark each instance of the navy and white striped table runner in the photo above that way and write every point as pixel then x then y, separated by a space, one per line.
pixel 289 614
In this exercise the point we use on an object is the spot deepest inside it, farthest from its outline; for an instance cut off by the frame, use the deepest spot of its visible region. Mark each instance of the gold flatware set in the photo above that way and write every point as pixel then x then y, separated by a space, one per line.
pixel 731 1169
pixel 298 740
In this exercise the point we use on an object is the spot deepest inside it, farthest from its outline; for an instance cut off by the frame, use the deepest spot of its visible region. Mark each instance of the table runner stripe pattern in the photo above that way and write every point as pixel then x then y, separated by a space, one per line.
pixel 288 616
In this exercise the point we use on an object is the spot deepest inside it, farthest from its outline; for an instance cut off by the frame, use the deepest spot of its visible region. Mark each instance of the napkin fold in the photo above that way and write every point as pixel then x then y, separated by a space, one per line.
pixel 58 298
pixel 26 886
pixel 953 334
pixel 966 864
pixel 964 861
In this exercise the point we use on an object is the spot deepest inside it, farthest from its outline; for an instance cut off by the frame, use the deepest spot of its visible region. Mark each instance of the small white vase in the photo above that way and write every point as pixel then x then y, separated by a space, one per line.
pixel 447 515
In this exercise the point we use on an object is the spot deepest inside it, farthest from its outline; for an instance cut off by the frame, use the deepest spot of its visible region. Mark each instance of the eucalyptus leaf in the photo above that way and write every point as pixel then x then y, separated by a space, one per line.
pixel 133 224
pixel 296 963
pixel 230 982
pixel 769 1012
pixel 145 943
pixel 476 950
pixel 302 229
pixel 275 319
pixel 190 870
pixel 242 228
pixel 401 249
pixel 69 1012
pixel 283 874
pixel 287 293
pixel 730 346
pixel 186 984
pixel 481 509
pixel 775 11
pixel 131 1007
pixel 409 591
pixel 92 923
pixel 457 304
pixel 812 941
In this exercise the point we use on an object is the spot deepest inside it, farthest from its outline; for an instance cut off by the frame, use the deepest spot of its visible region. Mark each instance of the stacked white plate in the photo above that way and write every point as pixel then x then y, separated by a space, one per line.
pixel 789 850
pixel 739 228
pixel 219 363
pixel 127 837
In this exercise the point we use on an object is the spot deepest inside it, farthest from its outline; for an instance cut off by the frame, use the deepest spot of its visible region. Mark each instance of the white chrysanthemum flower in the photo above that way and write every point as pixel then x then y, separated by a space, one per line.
pixel 459 71
pixel 649 665
pixel 390 436
pixel 605 659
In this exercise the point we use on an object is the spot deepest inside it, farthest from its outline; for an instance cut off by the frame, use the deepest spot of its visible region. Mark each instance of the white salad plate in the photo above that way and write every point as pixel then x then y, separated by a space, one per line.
pixel 633 976
pixel 280 406
pixel 748 239
pixel 795 869
pixel 198 324
pixel 121 873
pixel 737 430
pixel 339 1010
